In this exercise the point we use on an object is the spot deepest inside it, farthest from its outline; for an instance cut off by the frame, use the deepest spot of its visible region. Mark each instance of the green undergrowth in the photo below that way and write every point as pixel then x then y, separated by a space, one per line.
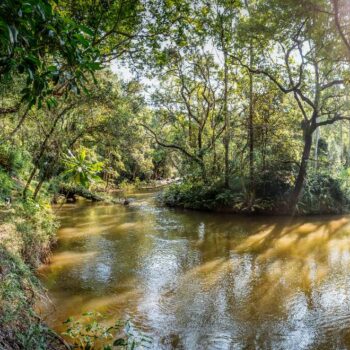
pixel 198 196
pixel 322 194
pixel 20 327
pixel 26 235
pixel 27 232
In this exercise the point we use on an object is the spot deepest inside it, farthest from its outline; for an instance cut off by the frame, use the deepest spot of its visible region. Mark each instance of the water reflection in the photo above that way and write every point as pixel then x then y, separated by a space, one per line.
pixel 202 280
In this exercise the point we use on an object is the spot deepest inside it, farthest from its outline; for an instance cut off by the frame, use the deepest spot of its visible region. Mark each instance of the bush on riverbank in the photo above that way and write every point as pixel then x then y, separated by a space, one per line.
pixel 27 231
pixel 322 195
pixel 26 235
pixel 198 196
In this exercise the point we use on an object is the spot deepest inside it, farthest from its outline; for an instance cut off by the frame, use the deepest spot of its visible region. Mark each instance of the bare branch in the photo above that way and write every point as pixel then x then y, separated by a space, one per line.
pixel 332 83
pixel 337 117
pixel 168 145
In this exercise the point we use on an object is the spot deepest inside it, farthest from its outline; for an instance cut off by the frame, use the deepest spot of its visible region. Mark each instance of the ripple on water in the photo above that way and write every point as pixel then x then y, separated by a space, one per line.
pixel 206 281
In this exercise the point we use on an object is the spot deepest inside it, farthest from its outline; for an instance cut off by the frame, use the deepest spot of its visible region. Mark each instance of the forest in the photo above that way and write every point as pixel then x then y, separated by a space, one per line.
pixel 239 106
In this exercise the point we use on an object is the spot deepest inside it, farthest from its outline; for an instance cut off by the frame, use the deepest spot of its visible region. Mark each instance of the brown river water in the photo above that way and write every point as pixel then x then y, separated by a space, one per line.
pixel 194 280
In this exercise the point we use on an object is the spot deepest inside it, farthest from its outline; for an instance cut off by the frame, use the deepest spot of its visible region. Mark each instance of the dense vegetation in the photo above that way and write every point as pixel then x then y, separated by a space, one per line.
pixel 246 101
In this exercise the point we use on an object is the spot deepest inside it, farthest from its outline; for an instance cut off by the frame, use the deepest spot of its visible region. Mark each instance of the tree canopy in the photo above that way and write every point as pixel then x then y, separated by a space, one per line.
pixel 246 100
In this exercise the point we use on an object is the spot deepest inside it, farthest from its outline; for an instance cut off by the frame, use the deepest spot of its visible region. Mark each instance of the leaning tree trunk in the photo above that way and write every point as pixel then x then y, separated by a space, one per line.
pixel 299 184
pixel 31 176
pixel 38 187
pixel 41 152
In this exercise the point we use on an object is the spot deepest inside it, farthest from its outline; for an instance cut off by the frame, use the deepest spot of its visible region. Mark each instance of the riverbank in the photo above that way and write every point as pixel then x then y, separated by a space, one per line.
pixel 27 233
pixel 326 197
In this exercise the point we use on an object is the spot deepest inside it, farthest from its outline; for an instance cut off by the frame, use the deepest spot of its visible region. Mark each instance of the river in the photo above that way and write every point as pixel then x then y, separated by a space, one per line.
pixel 195 280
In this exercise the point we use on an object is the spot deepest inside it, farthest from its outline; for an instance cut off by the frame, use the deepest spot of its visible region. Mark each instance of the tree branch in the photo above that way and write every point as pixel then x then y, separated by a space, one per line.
pixel 338 25
pixel 337 117
pixel 167 145
pixel 332 83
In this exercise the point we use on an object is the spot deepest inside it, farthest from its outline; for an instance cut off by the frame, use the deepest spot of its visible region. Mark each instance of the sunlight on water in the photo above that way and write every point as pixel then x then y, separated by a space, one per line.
pixel 196 280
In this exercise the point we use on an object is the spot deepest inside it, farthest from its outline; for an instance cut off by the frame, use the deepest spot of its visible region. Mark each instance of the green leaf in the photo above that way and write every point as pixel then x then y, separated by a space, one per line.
pixel 120 342
pixel 86 30
pixel 52 68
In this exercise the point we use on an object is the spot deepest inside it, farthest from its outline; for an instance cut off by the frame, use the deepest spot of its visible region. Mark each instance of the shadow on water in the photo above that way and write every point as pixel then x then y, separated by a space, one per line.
pixel 194 280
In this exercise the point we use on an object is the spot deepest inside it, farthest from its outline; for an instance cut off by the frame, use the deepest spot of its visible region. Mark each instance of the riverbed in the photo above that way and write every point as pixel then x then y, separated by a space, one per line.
pixel 197 280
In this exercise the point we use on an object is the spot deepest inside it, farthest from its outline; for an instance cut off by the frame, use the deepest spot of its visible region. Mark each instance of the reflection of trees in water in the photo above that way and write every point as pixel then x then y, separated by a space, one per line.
pixel 276 289
pixel 208 280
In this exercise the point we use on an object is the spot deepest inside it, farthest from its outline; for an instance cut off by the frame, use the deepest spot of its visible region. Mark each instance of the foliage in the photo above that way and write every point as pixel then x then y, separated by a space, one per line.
pixel 13 159
pixel 248 105
pixel 81 168
pixel 49 49
pixel 26 234
pixel 199 196
pixel 323 194
pixel 6 187
pixel 18 284
pixel 37 226
pixel 274 185
pixel 89 333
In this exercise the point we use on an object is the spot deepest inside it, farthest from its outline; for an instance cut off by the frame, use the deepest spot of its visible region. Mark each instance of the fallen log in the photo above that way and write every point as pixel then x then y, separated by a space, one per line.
pixel 71 192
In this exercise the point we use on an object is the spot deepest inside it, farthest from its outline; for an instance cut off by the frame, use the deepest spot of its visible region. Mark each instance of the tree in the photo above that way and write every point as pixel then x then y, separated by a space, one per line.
pixel 308 73
pixel 51 51
pixel 189 118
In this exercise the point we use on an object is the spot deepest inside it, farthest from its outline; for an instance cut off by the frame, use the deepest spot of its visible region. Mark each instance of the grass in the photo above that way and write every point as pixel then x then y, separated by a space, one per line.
pixel 26 235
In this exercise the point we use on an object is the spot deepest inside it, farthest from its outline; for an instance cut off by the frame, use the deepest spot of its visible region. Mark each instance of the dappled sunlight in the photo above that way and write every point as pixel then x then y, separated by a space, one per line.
pixel 61 260
pixel 294 238
pixel 70 233
pixel 109 303
pixel 209 273
pixel 131 225
pixel 205 268
pixel 254 241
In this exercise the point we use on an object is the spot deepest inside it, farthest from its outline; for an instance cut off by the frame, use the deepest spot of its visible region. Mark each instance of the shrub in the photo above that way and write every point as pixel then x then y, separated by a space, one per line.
pixel 26 235
pixel 323 195
pixel 273 186
pixel 6 185
pixel 37 226
pixel 198 196
pixel 17 289
pixel 12 159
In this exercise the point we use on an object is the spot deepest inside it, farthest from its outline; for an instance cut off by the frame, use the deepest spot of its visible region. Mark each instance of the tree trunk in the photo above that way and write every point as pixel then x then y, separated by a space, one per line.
pixel 227 123
pixel 42 150
pixel 317 139
pixel 38 187
pixel 23 118
pixel 251 133
pixel 341 144
pixel 298 187
pixel 251 186
pixel 32 174
pixel 204 172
